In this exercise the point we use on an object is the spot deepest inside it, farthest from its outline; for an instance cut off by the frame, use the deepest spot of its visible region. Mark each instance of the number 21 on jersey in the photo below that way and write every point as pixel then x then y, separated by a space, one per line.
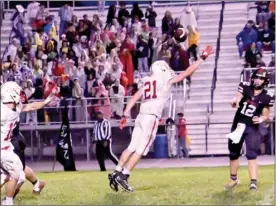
pixel 150 90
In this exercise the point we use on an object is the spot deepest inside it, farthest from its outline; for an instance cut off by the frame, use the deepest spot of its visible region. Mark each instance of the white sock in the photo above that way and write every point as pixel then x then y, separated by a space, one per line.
pixel 126 171
pixel 118 168
pixel 36 186
pixel 9 200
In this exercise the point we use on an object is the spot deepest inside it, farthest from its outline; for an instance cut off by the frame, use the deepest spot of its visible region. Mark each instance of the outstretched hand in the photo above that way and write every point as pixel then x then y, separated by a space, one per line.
pixel 207 52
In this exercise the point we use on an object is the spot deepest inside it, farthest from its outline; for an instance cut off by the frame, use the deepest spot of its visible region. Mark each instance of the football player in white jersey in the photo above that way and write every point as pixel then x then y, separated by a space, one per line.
pixel 154 93
pixel 11 107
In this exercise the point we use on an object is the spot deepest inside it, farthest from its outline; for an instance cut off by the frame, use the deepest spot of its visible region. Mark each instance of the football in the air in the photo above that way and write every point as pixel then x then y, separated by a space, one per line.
pixel 180 35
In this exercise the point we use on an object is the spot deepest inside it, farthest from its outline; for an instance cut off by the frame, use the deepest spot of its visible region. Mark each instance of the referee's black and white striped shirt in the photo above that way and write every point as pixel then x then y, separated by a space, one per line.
pixel 102 130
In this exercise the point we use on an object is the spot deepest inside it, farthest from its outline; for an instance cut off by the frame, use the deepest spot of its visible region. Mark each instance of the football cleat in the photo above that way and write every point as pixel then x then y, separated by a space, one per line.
pixel 253 187
pixel 112 183
pixel 232 184
pixel 122 180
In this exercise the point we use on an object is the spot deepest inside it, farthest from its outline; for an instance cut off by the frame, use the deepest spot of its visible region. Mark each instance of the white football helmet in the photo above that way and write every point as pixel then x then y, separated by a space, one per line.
pixel 11 92
pixel 161 67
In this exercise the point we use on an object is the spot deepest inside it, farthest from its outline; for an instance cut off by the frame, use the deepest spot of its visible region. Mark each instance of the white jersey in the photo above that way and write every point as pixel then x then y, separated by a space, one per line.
pixel 9 118
pixel 156 92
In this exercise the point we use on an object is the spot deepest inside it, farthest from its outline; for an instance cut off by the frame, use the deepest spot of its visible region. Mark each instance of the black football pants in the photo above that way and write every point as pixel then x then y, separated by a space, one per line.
pixel 104 148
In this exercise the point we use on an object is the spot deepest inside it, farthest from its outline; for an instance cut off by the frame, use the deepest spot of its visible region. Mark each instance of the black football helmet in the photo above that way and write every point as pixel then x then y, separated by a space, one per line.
pixel 260 73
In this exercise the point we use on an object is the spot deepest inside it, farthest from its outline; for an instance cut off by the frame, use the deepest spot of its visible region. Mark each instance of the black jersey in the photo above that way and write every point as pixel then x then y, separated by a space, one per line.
pixel 250 105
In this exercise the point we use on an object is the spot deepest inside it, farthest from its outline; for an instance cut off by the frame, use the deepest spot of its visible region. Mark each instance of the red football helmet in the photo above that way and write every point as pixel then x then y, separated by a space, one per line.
pixel 180 35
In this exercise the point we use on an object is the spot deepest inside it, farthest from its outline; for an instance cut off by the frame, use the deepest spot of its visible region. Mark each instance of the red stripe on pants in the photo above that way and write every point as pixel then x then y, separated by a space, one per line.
pixel 150 135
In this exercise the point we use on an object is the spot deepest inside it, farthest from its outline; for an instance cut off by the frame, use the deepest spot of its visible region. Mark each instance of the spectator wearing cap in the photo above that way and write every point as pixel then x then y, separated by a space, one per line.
pixel 172 138
pixel 267 39
pixel 103 139
pixel 182 134
pixel 142 52
pixel 123 14
pixel 65 13
pixel 151 16
pixel 246 37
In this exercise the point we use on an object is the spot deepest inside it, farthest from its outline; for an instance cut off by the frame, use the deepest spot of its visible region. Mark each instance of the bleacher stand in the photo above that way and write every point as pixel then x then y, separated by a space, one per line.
pixel 87 57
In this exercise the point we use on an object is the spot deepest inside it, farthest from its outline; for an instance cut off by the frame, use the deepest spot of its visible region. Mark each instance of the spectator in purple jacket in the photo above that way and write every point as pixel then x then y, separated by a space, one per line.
pixel 246 37
pixel 267 39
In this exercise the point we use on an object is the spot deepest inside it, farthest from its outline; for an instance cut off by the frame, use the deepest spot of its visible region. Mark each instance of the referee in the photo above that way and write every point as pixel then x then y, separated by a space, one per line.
pixel 102 135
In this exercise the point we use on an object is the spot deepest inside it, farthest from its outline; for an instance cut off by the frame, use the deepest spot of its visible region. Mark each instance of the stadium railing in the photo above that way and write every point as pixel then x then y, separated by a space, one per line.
pixel 246 74
pixel 214 79
pixel 41 143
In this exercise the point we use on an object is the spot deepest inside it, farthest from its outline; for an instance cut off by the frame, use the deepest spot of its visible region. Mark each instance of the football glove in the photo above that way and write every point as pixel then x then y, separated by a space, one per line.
pixel 207 52
pixel 122 122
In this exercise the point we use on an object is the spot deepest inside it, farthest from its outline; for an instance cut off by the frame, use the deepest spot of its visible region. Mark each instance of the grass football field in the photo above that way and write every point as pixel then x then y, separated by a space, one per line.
pixel 152 186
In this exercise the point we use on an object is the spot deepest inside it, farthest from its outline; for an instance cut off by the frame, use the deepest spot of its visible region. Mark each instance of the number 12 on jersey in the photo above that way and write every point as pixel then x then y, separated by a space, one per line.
pixel 248 109
pixel 150 90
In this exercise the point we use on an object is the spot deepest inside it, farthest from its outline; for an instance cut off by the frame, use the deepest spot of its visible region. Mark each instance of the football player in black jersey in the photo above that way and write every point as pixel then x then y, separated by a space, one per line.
pixel 252 102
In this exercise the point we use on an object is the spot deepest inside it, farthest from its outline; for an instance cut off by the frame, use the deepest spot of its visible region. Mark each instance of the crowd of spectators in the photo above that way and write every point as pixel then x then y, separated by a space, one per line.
pixel 258 36
pixel 89 58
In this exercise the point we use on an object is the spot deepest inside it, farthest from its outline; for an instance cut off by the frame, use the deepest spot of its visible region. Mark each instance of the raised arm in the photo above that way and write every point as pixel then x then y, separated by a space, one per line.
pixel 38 105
